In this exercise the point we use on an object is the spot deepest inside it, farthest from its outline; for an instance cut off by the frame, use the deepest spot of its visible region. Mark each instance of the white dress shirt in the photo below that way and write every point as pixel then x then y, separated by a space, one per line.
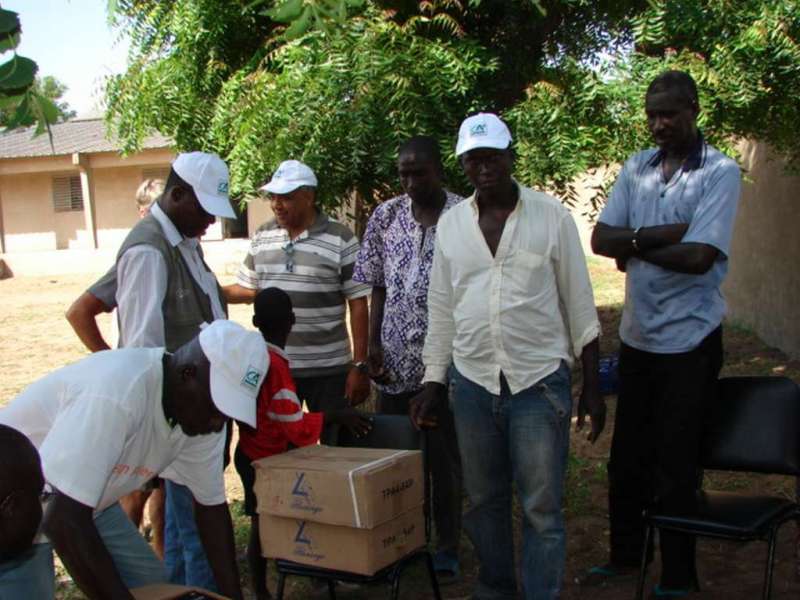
pixel 520 312
pixel 142 285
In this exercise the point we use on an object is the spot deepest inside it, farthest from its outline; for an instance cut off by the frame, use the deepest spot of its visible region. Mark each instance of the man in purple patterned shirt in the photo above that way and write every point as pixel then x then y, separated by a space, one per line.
pixel 395 258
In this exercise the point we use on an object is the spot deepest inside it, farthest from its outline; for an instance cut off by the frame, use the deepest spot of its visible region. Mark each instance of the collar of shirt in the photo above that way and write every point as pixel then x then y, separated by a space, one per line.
pixel 171 232
pixel 694 160
pixel 278 350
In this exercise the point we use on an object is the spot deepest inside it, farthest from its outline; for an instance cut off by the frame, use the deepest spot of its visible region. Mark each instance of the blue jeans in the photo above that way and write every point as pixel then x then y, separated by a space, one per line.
pixel 521 438
pixel 184 555
pixel 32 576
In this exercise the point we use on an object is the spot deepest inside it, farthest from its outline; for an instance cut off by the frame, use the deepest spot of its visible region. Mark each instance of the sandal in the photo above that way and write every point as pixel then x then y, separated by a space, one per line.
pixel 445 564
pixel 606 575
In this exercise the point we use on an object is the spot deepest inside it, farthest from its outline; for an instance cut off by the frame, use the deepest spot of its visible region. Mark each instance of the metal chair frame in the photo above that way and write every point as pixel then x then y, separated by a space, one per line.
pixel 736 439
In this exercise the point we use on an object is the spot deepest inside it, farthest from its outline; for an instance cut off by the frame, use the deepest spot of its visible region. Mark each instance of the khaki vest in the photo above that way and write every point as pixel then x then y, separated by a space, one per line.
pixel 186 306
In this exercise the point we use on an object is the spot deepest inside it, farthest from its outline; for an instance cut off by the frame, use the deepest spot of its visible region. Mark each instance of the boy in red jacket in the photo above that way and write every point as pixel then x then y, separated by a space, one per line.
pixel 280 420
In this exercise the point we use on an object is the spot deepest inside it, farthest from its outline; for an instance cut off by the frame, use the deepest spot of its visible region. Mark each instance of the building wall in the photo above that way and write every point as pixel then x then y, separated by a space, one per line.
pixel 258 213
pixel 763 284
pixel 29 221
pixel 115 204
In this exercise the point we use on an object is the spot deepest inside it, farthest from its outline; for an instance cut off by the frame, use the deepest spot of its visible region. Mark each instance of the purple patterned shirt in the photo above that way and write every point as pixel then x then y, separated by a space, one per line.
pixel 397 253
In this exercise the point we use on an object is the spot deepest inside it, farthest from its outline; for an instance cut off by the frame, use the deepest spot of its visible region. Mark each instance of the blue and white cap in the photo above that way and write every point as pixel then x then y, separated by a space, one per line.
pixel 484 130
pixel 239 363
pixel 290 175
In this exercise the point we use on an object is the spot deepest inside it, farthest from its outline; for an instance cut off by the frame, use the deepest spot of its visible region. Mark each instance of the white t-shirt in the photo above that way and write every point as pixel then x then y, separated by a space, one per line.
pixel 101 432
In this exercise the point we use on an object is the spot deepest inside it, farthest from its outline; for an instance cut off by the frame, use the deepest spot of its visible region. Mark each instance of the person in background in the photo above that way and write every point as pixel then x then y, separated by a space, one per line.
pixel 668 223
pixel 101 295
pixel 280 420
pixel 395 259
pixel 311 257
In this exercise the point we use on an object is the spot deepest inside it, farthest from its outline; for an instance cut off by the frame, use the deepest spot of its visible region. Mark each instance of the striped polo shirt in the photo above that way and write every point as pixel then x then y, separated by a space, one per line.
pixel 316 270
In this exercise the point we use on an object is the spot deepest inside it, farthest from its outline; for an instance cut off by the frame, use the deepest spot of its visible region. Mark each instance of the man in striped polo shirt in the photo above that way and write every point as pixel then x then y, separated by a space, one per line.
pixel 311 257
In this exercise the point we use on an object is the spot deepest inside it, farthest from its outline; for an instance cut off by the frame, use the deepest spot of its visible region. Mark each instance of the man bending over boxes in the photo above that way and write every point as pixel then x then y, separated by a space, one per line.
pixel 108 423
pixel 280 419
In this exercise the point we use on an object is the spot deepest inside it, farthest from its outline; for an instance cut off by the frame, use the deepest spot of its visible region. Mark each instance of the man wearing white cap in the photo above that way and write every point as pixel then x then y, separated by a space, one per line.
pixel 311 257
pixel 105 425
pixel 165 293
pixel 510 305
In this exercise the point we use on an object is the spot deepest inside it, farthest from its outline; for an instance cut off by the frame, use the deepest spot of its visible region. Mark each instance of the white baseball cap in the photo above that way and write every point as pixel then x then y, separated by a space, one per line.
pixel 208 176
pixel 239 362
pixel 290 175
pixel 484 130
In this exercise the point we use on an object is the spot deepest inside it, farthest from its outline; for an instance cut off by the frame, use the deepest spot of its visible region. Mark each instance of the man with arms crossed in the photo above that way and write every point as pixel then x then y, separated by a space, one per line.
pixel 510 305
pixel 668 223
pixel 108 423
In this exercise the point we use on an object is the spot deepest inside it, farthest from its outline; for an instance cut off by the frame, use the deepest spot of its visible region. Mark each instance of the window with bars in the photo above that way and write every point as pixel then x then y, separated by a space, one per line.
pixel 67 193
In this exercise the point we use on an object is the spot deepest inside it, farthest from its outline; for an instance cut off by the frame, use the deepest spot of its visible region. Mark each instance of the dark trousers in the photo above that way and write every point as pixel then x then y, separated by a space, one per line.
pixel 445 466
pixel 321 393
pixel 654 452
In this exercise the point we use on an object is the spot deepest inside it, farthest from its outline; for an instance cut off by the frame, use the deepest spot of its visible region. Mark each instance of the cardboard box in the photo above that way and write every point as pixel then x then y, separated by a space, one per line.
pixel 168 591
pixel 354 487
pixel 363 551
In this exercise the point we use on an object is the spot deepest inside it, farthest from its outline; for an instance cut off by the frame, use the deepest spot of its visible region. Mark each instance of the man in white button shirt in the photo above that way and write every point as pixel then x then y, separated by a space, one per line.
pixel 105 425
pixel 165 293
pixel 510 304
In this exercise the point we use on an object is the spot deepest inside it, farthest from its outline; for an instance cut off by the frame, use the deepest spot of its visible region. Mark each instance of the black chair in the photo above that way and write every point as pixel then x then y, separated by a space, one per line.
pixel 753 426
pixel 388 431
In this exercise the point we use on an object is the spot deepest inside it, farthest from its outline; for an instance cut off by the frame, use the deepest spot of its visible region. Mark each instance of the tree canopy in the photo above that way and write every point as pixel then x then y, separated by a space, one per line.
pixel 340 83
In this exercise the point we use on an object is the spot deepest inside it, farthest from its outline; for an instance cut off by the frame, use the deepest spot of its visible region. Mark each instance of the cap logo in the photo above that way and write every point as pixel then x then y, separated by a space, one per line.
pixel 252 377
pixel 222 187
pixel 478 129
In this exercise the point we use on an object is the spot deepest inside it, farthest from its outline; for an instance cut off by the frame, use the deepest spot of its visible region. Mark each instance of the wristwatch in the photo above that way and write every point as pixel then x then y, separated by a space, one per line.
pixel 635 240
pixel 361 366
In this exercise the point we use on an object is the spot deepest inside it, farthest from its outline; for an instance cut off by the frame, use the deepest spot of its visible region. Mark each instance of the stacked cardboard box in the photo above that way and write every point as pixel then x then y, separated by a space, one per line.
pixel 349 509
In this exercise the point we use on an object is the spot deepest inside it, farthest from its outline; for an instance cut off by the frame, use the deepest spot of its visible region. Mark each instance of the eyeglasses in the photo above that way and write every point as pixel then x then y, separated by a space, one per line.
pixel 288 248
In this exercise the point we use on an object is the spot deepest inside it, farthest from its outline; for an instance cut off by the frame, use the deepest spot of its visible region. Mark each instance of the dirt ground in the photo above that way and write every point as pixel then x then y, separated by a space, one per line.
pixel 35 339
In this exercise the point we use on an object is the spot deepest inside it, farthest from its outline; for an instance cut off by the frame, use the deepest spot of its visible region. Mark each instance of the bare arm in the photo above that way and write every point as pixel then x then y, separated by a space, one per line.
pixel 692 257
pixel 238 294
pixel 216 531
pixel 81 316
pixel 660 245
pixel 591 402
pixel 70 527
pixel 617 242
pixel 357 386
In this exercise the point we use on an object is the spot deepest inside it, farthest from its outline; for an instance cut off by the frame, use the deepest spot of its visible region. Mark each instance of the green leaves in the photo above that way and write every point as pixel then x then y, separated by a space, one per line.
pixel 286 12
pixel 17 75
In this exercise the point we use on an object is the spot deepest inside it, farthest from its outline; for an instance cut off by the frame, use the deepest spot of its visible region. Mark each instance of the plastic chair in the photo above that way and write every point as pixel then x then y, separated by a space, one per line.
pixel 388 431
pixel 752 426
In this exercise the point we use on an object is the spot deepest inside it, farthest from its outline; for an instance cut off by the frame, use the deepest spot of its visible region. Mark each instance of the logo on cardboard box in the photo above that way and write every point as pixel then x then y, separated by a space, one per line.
pixel 304 544
pixel 303 495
